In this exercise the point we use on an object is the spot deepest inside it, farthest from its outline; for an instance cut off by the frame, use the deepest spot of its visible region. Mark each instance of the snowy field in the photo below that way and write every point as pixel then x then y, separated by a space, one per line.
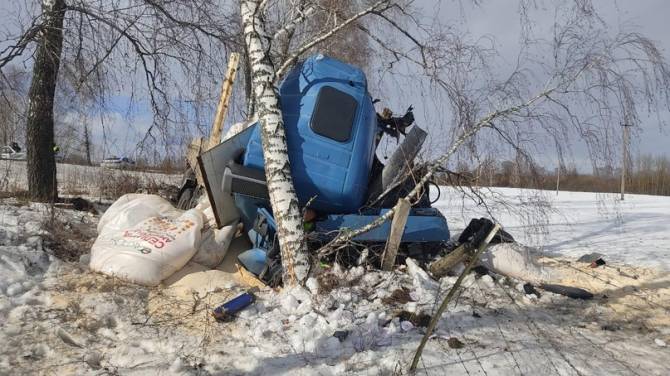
pixel 635 231
pixel 91 181
pixel 59 318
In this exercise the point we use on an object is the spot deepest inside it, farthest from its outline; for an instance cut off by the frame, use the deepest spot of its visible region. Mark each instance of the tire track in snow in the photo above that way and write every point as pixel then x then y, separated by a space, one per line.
pixel 541 335
pixel 502 335
pixel 593 361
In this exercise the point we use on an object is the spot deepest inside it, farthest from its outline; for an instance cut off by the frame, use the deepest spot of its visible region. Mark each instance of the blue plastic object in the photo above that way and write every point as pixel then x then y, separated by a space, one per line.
pixel 267 221
pixel 254 260
pixel 425 225
pixel 228 310
pixel 262 235
pixel 334 169
pixel 248 208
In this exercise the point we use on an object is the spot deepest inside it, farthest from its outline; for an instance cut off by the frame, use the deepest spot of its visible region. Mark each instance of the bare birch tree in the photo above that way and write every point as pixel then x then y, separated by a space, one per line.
pixel 94 47
pixel 270 54
pixel 275 152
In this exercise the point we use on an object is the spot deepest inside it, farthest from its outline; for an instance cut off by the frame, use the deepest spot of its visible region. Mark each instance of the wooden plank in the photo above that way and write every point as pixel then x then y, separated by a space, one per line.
pixel 224 100
pixel 248 278
pixel 441 266
pixel 200 145
pixel 395 236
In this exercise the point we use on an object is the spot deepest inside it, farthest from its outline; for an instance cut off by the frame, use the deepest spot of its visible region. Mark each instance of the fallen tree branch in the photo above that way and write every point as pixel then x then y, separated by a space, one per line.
pixel 344 237
pixel 447 299
pixel 441 266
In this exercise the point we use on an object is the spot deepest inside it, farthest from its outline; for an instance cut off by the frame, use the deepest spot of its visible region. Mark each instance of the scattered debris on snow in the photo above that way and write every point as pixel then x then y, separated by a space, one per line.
pixel 61 318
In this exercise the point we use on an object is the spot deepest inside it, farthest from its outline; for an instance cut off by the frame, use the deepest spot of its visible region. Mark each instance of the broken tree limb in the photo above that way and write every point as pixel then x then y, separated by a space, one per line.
pixel 224 100
pixel 344 237
pixel 395 236
pixel 447 299
pixel 199 145
pixel 441 266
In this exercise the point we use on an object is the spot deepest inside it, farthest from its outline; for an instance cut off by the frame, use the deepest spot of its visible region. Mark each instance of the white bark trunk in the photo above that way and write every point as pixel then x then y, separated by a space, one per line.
pixel 283 197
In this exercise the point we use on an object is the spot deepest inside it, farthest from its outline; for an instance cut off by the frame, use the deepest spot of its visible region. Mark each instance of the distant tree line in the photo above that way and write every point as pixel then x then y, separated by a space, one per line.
pixel 648 175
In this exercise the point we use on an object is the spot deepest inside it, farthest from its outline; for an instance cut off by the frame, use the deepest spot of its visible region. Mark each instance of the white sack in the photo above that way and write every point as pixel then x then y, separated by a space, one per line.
pixel 133 208
pixel 514 260
pixel 206 208
pixel 214 245
pixel 215 242
pixel 144 239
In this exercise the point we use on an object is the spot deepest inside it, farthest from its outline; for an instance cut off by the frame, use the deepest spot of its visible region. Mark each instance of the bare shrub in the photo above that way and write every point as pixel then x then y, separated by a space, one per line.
pixel 68 240
pixel 74 182
pixel 113 186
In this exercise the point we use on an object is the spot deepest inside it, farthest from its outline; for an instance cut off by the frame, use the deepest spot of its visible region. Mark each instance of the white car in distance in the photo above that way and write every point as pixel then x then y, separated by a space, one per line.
pixel 118 163
pixel 12 152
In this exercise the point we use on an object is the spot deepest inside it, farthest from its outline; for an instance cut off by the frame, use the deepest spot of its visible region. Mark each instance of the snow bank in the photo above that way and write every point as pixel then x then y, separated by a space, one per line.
pixel 23 262
pixel 515 260
pixel 25 271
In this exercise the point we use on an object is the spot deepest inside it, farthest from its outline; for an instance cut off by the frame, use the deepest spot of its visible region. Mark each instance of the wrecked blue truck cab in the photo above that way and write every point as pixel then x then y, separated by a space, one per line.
pixel 332 132
pixel 331 127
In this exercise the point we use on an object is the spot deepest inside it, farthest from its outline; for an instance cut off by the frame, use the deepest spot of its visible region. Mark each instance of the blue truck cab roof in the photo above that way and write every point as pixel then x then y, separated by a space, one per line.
pixel 331 126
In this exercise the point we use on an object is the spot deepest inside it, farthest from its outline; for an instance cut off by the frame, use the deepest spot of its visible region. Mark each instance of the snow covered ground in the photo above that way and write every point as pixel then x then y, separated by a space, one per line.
pixel 60 318
pixel 635 231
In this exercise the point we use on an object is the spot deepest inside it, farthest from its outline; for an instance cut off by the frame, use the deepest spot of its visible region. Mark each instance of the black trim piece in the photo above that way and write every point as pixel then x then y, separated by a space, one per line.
pixel 201 166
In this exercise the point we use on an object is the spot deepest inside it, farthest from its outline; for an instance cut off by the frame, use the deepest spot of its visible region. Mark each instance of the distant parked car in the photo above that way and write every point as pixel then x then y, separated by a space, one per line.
pixel 12 152
pixel 118 163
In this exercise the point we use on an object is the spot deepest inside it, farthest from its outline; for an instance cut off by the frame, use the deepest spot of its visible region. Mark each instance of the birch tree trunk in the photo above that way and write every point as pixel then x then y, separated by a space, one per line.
pixel 283 197
pixel 40 122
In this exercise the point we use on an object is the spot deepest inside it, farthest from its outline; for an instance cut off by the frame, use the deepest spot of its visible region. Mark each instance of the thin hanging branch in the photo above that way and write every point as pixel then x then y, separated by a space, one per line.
pixel 344 237
pixel 379 6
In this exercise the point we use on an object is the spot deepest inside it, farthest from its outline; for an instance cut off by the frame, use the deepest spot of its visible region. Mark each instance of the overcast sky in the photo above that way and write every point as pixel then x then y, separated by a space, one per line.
pixel 497 19
pixel 500 19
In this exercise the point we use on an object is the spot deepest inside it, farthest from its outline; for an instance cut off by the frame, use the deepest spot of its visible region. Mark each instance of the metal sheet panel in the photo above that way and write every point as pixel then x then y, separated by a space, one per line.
pixel 212 164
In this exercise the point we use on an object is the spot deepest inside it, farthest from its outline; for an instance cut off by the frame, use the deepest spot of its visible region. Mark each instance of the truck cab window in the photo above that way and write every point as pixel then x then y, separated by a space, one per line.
pixel 334 114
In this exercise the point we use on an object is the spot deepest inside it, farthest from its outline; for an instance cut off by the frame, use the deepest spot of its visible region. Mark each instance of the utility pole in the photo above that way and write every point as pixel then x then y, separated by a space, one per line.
pixel 624 158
